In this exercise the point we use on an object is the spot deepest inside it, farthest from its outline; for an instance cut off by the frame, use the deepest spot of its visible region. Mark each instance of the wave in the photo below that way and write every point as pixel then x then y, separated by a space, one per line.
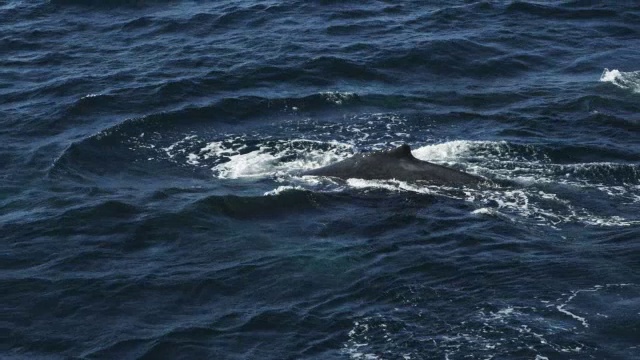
pixel 15 44
pixel 175 132
pixel 526 329
pixel 248 207
pixel 624 80
pixel 615 126
pixel 203 22
pixel 112 3
pixel 228 110
pixel 560 12
pixel 462 57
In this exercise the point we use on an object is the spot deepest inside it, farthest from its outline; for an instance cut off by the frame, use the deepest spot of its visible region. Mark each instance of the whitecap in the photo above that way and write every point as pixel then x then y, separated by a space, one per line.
pixel 625 80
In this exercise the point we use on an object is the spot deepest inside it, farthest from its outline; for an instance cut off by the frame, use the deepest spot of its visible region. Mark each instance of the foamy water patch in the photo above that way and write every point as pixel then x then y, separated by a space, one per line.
pixel 457 150
pixel 451 150
pixel 253 164
pixel 535 178
pixel 89 96
pixel 394 186
pixel 542 208
pixel 178 148
pixel 625 80
pixel 540 191
pixel 238 157
pixel 338 97
pixel 572 304
pixel 416 328
pixel 281 160
pixel 497 159
pixel 280 189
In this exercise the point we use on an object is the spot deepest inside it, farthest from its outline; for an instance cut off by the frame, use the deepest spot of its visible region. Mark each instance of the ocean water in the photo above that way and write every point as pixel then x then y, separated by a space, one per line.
pixel 151 204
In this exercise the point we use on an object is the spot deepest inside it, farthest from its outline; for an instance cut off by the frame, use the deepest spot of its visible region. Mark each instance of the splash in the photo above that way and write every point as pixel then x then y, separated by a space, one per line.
pixel 278 159
pixel 624 80
pixel 339 98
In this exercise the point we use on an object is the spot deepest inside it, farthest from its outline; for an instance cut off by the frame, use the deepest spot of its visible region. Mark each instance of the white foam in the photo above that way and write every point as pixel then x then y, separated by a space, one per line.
pixel 390 185
pixel 266 162
pixel 563 303
pixel 609 76
pixel 358 341
pixel 192 159
pixel 281 189
pixel 562 309
pixel 625 80
pixel 253 164
pixel 451 150
pixel 486 333
pixel 176 148
pixel 215 148
pixel 275 158
pixel 502 160
pixel 337 97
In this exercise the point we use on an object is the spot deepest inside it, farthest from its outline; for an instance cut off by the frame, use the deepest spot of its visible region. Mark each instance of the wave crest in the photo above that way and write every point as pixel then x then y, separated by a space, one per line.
pixel 624 80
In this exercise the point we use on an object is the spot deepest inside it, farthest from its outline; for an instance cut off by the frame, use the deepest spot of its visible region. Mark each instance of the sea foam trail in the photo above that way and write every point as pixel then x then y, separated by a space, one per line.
pixel 625 80
pixel 537 196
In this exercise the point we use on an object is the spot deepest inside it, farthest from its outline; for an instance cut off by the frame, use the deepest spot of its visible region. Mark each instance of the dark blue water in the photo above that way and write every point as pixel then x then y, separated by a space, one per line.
pixel 150 205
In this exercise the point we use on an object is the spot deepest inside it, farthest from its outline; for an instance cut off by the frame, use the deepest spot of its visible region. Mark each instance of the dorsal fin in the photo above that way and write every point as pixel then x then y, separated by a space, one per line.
pixel 402 151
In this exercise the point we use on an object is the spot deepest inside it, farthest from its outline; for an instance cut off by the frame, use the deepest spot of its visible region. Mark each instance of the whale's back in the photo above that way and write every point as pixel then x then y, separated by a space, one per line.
pixel 397 164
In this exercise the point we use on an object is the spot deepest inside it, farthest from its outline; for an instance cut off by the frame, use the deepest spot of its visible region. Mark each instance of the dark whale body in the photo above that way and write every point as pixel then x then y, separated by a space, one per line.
pixel 398 164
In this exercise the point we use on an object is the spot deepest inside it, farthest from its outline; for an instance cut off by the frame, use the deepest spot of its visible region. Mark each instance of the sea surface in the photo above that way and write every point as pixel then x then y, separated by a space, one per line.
pixel 152 204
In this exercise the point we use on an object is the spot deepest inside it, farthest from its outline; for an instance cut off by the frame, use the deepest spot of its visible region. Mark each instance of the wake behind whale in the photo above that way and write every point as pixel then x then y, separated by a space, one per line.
pixel 398 164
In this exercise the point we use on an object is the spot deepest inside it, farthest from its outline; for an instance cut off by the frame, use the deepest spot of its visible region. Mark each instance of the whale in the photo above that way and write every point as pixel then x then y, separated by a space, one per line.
pixel 397 164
